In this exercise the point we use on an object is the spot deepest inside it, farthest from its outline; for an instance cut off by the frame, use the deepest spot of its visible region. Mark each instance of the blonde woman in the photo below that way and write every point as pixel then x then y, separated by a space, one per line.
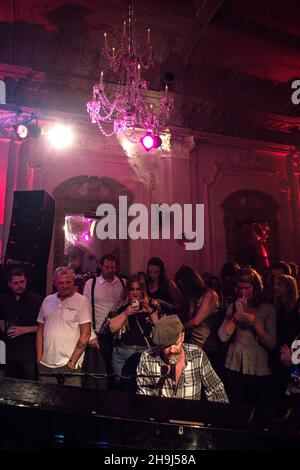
pixel 250 325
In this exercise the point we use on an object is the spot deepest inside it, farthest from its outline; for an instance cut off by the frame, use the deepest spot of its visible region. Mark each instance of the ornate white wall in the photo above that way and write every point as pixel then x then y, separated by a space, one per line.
pixel 189 169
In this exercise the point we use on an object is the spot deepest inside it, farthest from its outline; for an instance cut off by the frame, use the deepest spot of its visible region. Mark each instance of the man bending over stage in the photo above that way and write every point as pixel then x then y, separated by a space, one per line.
pixel 176 369
pixel 64 329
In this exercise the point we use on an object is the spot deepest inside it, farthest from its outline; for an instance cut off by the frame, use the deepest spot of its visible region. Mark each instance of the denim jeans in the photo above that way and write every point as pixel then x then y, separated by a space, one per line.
pixel 125 362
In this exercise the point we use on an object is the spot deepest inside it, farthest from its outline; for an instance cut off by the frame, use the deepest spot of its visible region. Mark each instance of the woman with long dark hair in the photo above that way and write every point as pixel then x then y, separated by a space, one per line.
pixel 285 293
pixel 200 313
pixel 228 278
pixel 160 288
pixel 250 324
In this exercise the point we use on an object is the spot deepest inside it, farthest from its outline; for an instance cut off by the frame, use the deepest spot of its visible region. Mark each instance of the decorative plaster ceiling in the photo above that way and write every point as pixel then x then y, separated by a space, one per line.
pixel 236 56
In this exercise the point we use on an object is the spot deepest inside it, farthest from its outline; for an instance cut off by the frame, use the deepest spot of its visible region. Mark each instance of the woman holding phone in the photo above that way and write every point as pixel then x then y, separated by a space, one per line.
pixel 131 321
pixel 250 324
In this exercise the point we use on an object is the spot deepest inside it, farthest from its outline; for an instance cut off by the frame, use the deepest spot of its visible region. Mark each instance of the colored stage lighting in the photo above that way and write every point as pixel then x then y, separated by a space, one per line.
pixel 86 236
pixel 60 136
pixel 24 131
pixel 150 141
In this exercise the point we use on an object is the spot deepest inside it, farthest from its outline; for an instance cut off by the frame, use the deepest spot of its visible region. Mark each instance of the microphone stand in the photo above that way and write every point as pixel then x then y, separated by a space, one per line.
pixel 60 377
pixel 173 375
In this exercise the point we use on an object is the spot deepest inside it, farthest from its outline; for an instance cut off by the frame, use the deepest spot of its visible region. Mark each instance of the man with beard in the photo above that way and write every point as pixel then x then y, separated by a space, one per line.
pixel 19 309
pixel 175 369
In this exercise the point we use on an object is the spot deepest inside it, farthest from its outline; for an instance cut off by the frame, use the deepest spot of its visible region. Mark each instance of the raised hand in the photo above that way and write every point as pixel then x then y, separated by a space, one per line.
pixel 239 308
pixel 131 310
pixel 249 317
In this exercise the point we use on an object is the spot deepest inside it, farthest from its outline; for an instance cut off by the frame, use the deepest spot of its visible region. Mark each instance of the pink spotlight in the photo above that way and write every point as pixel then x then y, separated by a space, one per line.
pixel 86 236
pixel 150 141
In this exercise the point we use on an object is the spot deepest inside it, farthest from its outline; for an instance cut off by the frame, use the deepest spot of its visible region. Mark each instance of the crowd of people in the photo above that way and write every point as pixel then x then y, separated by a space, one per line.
pixel 227 338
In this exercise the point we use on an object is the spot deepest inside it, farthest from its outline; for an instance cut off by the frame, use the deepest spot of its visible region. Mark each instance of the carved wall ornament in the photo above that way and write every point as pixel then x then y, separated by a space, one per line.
pixel 261 231
pixel 166 143
pixel 248 160
pixel 280 181
pixel 245 159
pixel 182 145
pixel 91 187
pixel 278 124
pixel 152 181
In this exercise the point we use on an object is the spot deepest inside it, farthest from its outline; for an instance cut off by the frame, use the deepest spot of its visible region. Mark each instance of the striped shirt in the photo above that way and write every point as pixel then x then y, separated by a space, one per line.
pixel 196 373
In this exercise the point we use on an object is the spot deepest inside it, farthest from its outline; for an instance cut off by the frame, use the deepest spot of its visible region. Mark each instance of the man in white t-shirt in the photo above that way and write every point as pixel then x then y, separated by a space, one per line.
pixel 105 290
pixel 64 329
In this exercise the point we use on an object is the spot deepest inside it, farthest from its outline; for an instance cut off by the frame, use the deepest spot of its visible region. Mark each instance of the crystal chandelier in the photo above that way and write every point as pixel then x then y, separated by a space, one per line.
pixel 128 111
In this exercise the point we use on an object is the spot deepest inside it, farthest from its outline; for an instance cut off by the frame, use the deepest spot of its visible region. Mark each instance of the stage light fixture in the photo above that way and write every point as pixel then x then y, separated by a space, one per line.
pixel 86 236
pixel 24 131
pixel 21 131
pixel 150 141
pixel 34 130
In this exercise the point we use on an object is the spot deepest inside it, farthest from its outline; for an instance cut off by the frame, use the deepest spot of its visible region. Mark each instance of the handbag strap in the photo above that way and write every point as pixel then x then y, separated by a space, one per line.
pixel 142 331
pixel 93 301
pixel 121 281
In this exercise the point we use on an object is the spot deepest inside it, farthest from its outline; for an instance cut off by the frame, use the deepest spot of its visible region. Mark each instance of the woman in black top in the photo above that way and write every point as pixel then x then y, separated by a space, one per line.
pixel 131 321
pixel 159 288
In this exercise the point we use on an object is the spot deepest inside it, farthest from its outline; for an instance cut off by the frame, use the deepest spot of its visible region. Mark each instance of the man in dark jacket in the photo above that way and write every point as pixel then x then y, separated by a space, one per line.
pixel 19 309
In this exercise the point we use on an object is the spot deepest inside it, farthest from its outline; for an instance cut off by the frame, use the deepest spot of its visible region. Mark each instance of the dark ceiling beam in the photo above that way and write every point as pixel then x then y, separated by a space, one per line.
pixel 258 31
pixel 206 11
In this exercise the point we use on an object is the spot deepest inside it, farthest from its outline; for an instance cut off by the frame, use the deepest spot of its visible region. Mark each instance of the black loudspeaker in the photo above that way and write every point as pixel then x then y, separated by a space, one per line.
pixel 31 233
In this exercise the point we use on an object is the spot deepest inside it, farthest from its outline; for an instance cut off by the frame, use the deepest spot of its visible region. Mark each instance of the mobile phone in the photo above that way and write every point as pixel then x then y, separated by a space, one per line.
pixel 135 303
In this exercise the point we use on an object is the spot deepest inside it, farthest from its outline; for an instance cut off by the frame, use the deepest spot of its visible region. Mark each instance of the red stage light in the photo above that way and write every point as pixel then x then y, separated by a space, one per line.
pixel 150 141
pixel 23 131
pixel 86 236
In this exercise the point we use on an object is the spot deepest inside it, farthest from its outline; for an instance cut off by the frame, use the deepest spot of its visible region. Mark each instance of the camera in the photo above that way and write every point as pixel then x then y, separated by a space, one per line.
pixel 136 303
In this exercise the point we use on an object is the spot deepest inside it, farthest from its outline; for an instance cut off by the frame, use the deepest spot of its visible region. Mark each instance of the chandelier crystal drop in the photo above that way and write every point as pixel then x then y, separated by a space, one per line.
pixel 129 111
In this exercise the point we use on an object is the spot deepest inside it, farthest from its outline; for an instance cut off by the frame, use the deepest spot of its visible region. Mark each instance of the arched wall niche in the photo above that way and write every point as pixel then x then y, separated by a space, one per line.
pixel 245 212
pixel 82 195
